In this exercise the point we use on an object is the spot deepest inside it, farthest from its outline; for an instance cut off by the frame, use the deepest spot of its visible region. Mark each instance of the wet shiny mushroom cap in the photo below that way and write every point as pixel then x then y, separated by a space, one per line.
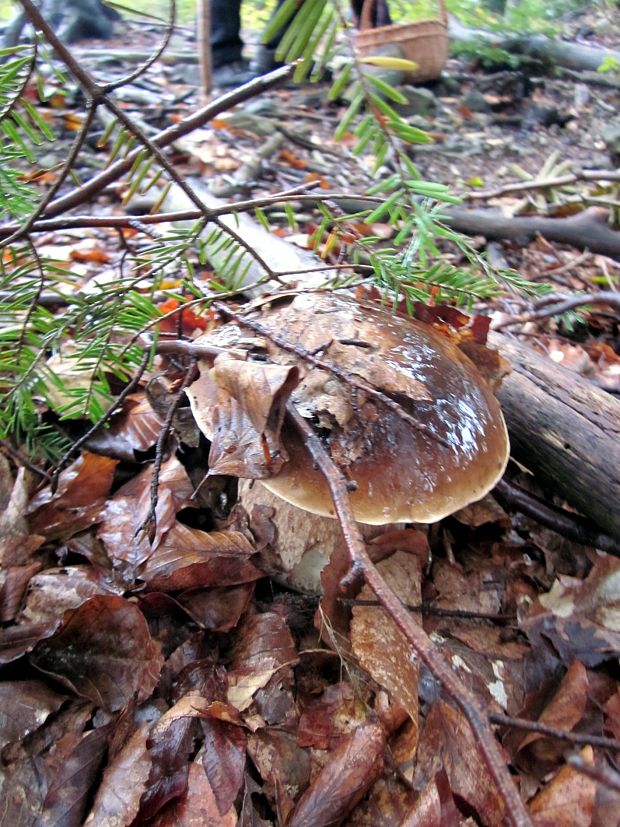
pixel 448 449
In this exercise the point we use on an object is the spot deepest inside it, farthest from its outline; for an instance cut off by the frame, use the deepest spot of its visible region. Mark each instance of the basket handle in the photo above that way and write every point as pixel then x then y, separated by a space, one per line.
pixel 368 6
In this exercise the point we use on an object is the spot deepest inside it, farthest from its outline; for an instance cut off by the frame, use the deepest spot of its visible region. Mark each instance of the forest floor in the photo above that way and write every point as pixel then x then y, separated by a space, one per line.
pixel 167 680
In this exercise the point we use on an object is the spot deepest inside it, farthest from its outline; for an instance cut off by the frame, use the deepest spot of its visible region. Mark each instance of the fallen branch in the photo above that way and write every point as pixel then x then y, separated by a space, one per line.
pixel 565 430
pixel 556 305
pixel 545 183
pixel 563 522
pixel 581 738
pixel 363 569
pixel 588 230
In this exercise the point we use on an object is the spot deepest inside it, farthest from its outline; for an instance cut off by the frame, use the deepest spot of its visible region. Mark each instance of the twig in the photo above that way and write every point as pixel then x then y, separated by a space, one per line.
pixel 299 193
pixel 434 611
pixel 341 374
pixel 546 308
pixel 363 569
pixel 604 775
pixel 580 738
pixel 150 521
pixel 572 526
pixel 545 183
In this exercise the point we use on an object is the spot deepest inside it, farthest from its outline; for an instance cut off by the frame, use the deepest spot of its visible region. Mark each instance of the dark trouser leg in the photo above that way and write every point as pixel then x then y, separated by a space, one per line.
pixel 226 43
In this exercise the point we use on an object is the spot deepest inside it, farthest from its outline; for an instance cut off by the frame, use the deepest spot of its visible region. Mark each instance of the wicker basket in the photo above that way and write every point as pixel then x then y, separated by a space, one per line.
pixel 424 42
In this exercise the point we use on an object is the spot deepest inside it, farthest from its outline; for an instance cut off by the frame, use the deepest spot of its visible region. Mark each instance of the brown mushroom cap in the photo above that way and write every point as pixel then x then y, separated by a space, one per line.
pixel 401 473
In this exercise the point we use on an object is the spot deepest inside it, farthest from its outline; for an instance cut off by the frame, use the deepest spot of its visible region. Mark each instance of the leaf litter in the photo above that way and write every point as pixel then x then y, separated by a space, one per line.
pixel 164 679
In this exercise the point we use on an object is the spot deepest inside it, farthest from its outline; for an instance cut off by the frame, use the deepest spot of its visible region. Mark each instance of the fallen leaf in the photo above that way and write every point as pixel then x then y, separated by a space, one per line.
pixel 171 742
pixel 349 772
pixel 126 512
pixel 581 618
pixel 198 807
pixel 448 744
pixel 17 543
pixel 224 760
pixel 568 799
pixel 380 647
pixel 24 706
pixel 103 651
pixel 78 500
pixel 564 712
pixel 124 780
pixel 189 559
pixel 15 581
pixel 265 649
pixel 77 769
pixel 53 591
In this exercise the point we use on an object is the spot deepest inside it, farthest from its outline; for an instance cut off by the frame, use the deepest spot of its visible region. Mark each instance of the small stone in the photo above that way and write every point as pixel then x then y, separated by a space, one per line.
pixel 475 101
pixel 420 101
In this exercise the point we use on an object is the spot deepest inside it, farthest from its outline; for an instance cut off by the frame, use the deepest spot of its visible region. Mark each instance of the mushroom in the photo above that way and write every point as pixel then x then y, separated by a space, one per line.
pixel 404 413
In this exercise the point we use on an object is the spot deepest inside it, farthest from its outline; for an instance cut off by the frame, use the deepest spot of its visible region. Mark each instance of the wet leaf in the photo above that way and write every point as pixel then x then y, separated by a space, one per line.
pixel 103 651
pixel 124 780
pixel 24 706
pixel 13 589
pixel 568 799
pixel 78 501
pixel 53 591
pixel 68 794
pixel 218 609
pixel 171 742
pixel 379 645
pixel 198 808
pixel 224 760
pixel 349 772
pixel 126 512
pixel 16 641
pixel 138 424
pixel 266 648
pixel 448 743
pixel 189 558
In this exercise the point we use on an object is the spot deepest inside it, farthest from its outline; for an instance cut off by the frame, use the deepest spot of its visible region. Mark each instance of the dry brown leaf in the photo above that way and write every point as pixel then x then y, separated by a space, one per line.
pixel 565 709
pixel 568 799
pixel 189 559
pixel 351 769
pixel 581 618
pixel 78 501
pixel 379 645
pixel 17 543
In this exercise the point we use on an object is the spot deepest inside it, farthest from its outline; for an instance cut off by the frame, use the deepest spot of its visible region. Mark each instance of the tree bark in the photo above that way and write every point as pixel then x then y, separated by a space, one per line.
pixel 587 230
pixel 565 430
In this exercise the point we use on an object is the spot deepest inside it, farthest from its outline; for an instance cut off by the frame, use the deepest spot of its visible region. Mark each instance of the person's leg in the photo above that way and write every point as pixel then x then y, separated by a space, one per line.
pixel 380 15
pixel 226 43
pixel 265 59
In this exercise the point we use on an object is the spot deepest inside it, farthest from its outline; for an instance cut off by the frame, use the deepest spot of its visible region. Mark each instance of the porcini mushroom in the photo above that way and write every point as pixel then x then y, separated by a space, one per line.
pixel 404 413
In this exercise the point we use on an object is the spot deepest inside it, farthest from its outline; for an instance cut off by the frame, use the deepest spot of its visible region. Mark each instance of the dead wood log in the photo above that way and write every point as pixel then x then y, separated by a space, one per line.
pixel 548 51
pixel 565 430
pixel 587 230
